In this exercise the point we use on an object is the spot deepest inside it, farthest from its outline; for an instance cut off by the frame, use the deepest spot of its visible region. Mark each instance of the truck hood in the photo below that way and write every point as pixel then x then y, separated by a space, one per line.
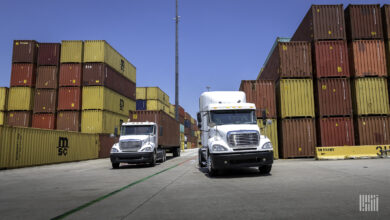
pixel 133 137
pixel 223 130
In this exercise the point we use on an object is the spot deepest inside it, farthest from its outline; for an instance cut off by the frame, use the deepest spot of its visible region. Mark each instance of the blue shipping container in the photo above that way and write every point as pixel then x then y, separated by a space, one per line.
pixel 141 105
pixel 181 128
pixel 187 123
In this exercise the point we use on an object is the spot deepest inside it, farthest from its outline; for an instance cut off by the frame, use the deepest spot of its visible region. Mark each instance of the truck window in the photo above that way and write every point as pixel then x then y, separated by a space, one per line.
pixel 137 130
pixel 223 117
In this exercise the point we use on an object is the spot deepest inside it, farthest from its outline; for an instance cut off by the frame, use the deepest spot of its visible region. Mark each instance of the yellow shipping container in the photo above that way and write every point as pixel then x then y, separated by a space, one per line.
pixel 172 109
pixel 189 145
pixel 371 96
pixel 155 105
pixel 182 137
pixel 2 117
pixel 182 144
pixel 98 121
pixel 295 98
pixel 140 93
pixel 72 51
pixel 21 147
pixel 20 98
pixel 155 93
pixel 271 132
pixel 3 98
pixel 102 98
pixel 101 51
pixel 192 121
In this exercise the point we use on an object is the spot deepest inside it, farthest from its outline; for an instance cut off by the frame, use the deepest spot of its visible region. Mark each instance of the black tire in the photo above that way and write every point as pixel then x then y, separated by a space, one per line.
pixel 176 152
pixel 154 158
pixel 211 170
pixel 200 159
pixel 265 169
pixel 115 165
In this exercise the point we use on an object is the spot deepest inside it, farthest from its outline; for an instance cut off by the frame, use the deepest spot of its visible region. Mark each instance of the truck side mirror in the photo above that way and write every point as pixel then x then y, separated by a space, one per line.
pixel 264 116
pixel 199 125
pixel 199 118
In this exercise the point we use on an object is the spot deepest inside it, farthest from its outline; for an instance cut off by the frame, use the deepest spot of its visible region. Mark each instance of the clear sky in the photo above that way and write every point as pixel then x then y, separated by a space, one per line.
pixel 221 42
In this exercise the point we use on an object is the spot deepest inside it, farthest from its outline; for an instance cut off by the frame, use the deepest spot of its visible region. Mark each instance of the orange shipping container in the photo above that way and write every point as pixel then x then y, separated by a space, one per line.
pixel 373 130
pixel 335 132
pixel 331 59
pixel 44 121
pixel 70 74
pixel 69 98
pixel 23 74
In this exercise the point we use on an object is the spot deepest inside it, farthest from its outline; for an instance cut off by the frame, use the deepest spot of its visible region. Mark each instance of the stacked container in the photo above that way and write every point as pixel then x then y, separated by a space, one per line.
pixel 23 73
pixel 368 68
pixel 3 104
pixel 152 99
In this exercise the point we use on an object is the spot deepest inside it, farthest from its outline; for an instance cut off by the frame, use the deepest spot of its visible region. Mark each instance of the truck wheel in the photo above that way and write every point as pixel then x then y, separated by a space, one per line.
pixel 176 152
pixel 115 165
pixel 265 169
pixel 212 171
pixel 164 156
pixel 154 158
pixel 200 159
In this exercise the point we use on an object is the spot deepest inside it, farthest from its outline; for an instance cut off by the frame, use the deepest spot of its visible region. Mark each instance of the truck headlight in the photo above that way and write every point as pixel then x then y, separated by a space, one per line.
pixel 267 146
pixel 147 149
pixel 114 150
pixel 217 147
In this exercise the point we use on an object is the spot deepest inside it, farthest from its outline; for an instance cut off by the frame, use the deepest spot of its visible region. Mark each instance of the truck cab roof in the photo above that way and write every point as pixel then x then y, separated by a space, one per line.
pixel 231 106
pixel 221 97
pixel 137 123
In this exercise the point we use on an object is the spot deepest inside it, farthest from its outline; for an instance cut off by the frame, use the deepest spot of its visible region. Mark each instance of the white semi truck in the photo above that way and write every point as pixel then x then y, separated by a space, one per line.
pixel 230 134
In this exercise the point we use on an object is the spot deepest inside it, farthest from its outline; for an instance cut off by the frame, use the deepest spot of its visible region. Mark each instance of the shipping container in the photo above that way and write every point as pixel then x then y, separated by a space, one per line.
pixel 99 51
pixel 182 145
pixel 21 147
pixel 69 98
pixel 141 93
pixel 181 119
pixel 169 131
pixel 19 118
pixel 171 109
pixel 262 94
pixel 20 99
pixel 187 131
pixel 45 101
pixel 155 93
pixel 297 137
pixel 25 51
pixel 387 47
pixel 333 97
pixel 295 98
pixel 70 74
pixel 23 74
pixel 331 59
pixel 368 58
pixel 47 77
pixel 373 130
pixel 72 51
pixel 44 121
pixel 2 118
pixel 106 142
pixel 338 131
pixel 69 120
pixel 187 116
pixel 363 22
pixel 98 121
pixel 322 22
pixel 371 96
pixel 3 98
pixel 141 105
pixel 49 54
pixel 155 105
pixel 101 98
pixel 181 128
pixel 289 60
pixel 271 131
pixel 100 74
pixel 181 111
pixel 386 20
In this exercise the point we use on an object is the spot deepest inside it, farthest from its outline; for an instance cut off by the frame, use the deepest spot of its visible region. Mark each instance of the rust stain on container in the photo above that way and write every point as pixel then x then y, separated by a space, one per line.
pixel 262 94
pixel 70 74
pixel 322 22
pixel 100 74
pixel 336 131
pixel 69 120
pixel 45 101
pixel 69 98
pixel 297 137
pixel 106 142
pixel 333 97
pixel 23 74
pixel 19 118
pixel 331 59
pixel 368 58
pixel 363 22
pixel 44 121
pixel 373 130
pixel 25 51
pixel 49 54
pixel 47 77
pixel 386 20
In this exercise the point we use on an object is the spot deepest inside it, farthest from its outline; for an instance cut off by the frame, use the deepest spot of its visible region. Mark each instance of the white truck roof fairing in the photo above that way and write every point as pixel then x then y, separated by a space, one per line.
pixel 221 97
pixel 231 106
pixel 137 123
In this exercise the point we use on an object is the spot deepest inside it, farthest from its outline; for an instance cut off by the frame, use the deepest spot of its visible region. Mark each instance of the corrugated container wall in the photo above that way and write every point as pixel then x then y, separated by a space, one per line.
pixel 47 77
pixel 322 22
pixel 98 121
pixel 335 132
pixel 49 54
pixel 25 51
pixel 373 130
pixel 331 59
pixel 3 98
pixel 363 22
pixel 155 93
pixel 262 94
pixel 69 98
pixel 2 118
pixel 181 111
pixel 19 118
pixel 101 52
pixel 371 96
pixel 295 98
pixel 45 101
pixel 155 105
pixel 20 99
pixel 141 105
pixel 141 93
pixel 72 51
pixel 106 142
pixel 68 120
pixel 386 20
pixel 297 137
pixel 44 121
pixel 333 97
pixel 368 58
pixel 271 131
pixel 70 74
pixel 23 74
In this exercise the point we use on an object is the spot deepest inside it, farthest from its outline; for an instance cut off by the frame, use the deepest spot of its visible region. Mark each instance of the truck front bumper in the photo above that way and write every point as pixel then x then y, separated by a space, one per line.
pixel 247 159
pixel 133 157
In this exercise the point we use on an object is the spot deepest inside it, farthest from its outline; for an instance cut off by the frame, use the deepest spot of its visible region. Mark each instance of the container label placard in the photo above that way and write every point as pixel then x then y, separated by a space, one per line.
pixel 347 152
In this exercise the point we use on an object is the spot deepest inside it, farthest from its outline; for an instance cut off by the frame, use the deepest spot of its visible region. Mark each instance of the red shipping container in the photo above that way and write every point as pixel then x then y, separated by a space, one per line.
pixel 44 121
pixel 25 51
pixel 106 142
pixel 49 54
pixel 19 118
pixel 23 75
pixel 335 132
pixel 68 120
pixel 69 98
pixel 45 101
pixel 47 77
pixel 331 59
pixel 363 22
pixel 181 112
pixel 373 130
pixel 70 74
pixel 368 58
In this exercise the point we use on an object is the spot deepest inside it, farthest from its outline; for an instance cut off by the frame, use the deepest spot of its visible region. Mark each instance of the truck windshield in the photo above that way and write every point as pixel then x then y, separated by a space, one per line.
pixel 137 130
pixel 233 117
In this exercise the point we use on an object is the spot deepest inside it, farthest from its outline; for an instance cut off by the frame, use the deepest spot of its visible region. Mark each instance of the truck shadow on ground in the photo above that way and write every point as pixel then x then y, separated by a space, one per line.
pixel 139 166
pixel 234 173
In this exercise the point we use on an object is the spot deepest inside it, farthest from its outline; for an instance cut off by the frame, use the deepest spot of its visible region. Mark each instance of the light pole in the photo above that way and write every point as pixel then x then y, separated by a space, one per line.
pixel 177 65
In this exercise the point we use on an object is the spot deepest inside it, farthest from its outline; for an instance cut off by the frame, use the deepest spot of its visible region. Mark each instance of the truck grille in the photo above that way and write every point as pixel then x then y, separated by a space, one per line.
pixel 243 138
pixel 130 146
